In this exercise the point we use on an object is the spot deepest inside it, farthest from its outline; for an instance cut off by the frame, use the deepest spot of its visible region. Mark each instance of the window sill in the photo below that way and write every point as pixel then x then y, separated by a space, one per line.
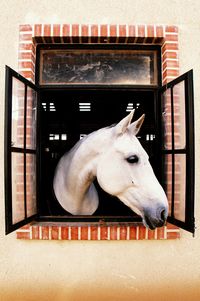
pixel 95 231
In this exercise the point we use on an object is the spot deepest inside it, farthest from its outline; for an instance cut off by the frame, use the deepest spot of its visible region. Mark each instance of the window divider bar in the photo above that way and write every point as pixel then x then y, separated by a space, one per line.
pixel 173 156
pixel 25 115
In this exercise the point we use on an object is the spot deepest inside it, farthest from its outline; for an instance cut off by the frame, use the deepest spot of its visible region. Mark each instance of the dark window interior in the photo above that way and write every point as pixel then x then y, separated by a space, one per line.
pixel 67 115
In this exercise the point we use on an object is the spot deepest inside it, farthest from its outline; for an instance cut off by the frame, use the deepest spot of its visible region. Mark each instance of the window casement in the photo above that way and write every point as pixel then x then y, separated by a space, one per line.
pixel 43 121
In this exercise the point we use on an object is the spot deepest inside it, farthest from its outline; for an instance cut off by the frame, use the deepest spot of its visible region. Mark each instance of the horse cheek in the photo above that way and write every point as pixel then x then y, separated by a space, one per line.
pixel 108 177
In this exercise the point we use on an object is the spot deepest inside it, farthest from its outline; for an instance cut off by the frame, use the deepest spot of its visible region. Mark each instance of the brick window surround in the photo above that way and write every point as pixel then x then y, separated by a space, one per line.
pixel 29 37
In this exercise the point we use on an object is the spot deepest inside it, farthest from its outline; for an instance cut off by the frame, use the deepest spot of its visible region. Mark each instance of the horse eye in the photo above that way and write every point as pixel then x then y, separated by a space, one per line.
pixel 132 159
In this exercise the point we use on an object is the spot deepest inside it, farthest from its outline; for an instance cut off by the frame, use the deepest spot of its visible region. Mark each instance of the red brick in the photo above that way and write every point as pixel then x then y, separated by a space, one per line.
pixel 122 31
pixel 171 73
pixel 141 31
pixel 103 31
pixel 45 232
pixel 169 55
pixel 26 227
pixel 113 30
pixel 54 232
pixel 23 235
pixel 56 30
pixel 150 31
pixel 66 30
pixel 104 232
pixel 94 30
pixel 94 232
pixel 38 30
pixel 27 74
pixel 25 46
pixel 170 64
pixel 28 65
pixel 142 232
pixel 84 233
pixel 35 232
pixel 84 30
pixel 123 232
pixel 151 234
pixel 171 37
pixel 26 27
pixel 64 233
pixel 113 232
pixel 25 55
pixel 25 37
pixel 133 232
pixel 170 46
pixel 159 31
pixel 75 30
pixel 74 233
pixel 173 235
pixel 160 233
pixel 171 29
pixel 131 31
pixel 47 30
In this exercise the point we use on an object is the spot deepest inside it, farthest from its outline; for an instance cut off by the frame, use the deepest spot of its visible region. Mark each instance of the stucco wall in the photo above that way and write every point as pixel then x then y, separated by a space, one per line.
pixel 135 270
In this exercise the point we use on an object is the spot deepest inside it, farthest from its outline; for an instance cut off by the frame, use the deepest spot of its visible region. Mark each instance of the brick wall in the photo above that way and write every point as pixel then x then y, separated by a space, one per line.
pixel 167 37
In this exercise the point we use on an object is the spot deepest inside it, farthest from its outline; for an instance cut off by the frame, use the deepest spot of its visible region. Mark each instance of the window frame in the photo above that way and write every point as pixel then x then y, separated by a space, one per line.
pixel 189 226
pixel 187 78
pixel 9 149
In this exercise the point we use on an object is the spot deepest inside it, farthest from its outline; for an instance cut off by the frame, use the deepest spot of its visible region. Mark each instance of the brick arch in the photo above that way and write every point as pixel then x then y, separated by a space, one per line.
pixel 32 35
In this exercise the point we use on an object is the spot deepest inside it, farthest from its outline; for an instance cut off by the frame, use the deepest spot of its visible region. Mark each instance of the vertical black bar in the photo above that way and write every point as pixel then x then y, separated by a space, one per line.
pixel 189 113
pixel 25 115
pixel 173 159
pixel 38 153
pixel 7 151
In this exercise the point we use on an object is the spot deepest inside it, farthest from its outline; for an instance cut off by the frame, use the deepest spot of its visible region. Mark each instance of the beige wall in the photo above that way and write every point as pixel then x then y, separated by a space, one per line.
pixel 137 270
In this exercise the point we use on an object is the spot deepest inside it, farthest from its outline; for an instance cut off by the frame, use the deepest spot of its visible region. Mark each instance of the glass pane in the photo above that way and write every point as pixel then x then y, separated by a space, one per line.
pixel 31 119
pixel 31 184
pixel 180 187
pixel 179 115
pixel 18 90
pixel 98 67
pixel 18 212
pixel 166 120
pixel 168 179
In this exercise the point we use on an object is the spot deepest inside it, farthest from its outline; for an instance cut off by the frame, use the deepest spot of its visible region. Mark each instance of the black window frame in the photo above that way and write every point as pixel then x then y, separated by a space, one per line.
pixel 188 150
pixel 188 225
pixel 9 149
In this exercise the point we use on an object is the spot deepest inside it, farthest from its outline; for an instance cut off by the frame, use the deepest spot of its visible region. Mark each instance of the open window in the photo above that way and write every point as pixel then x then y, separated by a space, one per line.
pixel 20 151
pixel 63 115
pixel 178 149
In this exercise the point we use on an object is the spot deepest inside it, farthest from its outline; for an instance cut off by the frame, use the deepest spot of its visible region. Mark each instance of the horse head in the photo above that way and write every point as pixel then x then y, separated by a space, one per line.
pixel 123 170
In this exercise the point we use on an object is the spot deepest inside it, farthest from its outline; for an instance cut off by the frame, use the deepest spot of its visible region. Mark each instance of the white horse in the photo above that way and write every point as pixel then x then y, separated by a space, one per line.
pixel 116 158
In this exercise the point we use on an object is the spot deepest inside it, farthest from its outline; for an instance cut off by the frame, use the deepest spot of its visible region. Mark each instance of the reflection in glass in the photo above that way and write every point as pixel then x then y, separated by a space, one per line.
pixel 98 67
pixel 166 120
pixel 18 212
pixel 31 119
pixel 168 179
pixel 18 90
pixel 180 187
pixel 31 184
pixel 179 115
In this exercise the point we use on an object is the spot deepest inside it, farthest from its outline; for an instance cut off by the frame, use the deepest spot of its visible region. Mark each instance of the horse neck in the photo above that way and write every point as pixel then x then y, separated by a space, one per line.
pixel 78 170
pixel 84 157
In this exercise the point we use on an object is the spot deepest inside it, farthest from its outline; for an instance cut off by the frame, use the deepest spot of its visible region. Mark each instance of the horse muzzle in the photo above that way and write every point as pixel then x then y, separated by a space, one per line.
pixel 153 219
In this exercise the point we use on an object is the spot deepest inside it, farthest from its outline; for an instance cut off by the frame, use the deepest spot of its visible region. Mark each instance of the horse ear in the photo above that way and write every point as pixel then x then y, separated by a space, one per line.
pixel 134 127
pixel 122 126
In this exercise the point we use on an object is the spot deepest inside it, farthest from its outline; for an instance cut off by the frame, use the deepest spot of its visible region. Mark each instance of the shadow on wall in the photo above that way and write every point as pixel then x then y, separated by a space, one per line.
pixel 76 292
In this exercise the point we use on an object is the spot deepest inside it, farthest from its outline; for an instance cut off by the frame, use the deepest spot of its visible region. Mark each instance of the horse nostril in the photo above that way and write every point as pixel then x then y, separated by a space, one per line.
pixel 163 216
